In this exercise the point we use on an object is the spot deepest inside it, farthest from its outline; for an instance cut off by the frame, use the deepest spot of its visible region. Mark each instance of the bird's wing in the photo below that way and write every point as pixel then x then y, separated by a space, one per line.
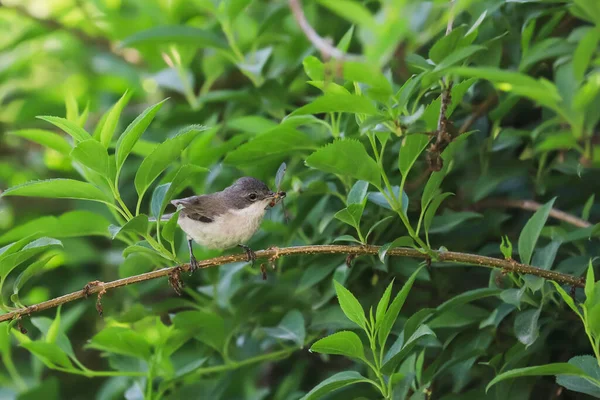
pixel 200 208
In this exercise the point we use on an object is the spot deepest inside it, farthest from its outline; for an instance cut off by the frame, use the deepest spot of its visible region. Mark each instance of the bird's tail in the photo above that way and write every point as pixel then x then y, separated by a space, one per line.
pixel 163 218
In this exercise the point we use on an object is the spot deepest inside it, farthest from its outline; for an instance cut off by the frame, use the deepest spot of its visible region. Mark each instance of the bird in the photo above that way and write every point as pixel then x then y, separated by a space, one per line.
pixel 225 219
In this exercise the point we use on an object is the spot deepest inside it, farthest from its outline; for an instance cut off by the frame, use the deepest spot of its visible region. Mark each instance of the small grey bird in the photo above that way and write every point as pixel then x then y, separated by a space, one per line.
pixel 227 218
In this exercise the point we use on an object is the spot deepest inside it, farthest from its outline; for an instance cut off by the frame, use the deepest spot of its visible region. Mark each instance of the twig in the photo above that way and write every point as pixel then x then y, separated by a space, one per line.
pixel 480 109
pixel 531 205
pixel 321 44
pixel 449 256
pixel 444 137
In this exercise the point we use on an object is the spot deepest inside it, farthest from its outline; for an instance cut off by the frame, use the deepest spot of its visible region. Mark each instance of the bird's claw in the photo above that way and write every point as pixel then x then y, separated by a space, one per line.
pixel 249 253
pixel 193 264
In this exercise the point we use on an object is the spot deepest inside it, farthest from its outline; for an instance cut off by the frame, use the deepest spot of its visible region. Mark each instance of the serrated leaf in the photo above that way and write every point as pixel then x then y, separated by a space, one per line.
pixel 110 123
pixel 49 353
pixel 403 241
pixel 531 232
pixel 392 313
pixel 58 189
pixel 411 148
pixel 45 138
pixel 76 132
pixel 137 225
pixel 350 305
pixel 93 155
pixel 164 154
pixel 335 382
pixel 133 132
pixel 348 158
pixel 540 370
pixel 121 340
pixel 344 343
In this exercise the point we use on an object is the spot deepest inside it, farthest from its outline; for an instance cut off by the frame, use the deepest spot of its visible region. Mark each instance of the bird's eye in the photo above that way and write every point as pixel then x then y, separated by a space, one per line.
pixel 252 196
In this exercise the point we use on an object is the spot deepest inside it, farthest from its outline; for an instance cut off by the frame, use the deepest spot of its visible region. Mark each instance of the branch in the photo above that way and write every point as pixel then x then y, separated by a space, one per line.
pixel 443 134
pixel 531 205
pixel 274 253
pixel 326 49
pixel 480 109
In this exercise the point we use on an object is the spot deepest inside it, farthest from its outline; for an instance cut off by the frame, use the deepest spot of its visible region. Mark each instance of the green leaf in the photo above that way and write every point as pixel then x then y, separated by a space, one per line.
pixel 77 132
pixel 291 328
pixel 69 224
pixel 351 11
pixel 586 48
pixel 400 349
pixel 358 193
pixel 133 132
pixel 207 327
pixel 541 91
pixel 164 154
pixel 526 326
pixel 168 232
pixel 351 215
pixel 45 138
pixel 382 305
pixel 110 124
pixel 344 343
pixel 93 155
pixel 506 248
pixel 158 198
pixel 49 353
pixel 178 34
pixel 276 143
pixel 338 102
pixel 120 340
pixel 540 370
pixel 10 262
pixel 450 220
pixel 335 382
pixel 346 157
pixel 567 299
pixel 392 313
pixel 432 209
pixel 350 305
pixel 137 225
pixel 403 241
pixel 531 232
pixel 458 56
pixel 589 385
pixel 587 208
pixel 590 283
pixel 58 189
pixel 411 148
pixel 432 186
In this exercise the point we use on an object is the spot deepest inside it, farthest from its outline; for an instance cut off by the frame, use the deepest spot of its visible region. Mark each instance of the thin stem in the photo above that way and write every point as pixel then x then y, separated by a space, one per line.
pixel 12 370
pixel 91 374
pixel 275 252
pixel 276 355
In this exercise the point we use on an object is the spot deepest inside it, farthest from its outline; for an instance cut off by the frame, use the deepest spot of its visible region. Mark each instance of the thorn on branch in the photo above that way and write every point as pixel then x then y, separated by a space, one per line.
pixel 87 291
pixel 263 271
pixel 175 280
pixel 20 326
pixel 349 260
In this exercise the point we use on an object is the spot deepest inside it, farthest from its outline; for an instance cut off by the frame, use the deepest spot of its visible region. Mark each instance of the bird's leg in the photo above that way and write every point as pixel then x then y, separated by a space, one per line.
pixel 193 262
pixel 249 252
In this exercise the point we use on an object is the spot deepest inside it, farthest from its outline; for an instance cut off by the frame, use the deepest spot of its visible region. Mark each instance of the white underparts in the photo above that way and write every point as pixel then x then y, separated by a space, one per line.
pixel 227 230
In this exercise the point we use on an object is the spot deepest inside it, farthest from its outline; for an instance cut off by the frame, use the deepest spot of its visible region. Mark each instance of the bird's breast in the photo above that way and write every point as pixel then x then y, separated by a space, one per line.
pixel 227 230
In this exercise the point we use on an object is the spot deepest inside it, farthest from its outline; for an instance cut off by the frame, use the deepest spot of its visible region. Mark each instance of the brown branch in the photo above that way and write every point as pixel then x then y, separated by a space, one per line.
pixel 323 45
pixel 443 134
pixel 449 256
pixel 531 205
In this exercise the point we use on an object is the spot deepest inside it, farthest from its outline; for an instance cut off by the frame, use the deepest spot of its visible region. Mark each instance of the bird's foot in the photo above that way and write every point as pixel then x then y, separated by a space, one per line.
pixel 193 264
pixel 249 253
